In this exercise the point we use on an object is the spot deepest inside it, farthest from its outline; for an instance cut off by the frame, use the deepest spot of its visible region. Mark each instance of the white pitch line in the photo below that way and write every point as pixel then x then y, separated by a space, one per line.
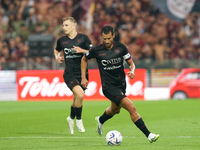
pixel 71 137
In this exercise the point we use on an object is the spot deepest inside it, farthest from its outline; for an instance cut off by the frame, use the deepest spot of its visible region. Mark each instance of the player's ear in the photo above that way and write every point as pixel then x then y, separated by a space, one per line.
pixel 113 35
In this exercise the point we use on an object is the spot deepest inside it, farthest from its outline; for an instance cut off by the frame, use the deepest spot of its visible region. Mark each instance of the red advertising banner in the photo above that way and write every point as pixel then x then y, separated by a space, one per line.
pixel 49 85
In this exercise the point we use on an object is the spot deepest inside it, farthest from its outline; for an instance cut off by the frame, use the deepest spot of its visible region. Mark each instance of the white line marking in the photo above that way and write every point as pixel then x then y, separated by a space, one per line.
pixel 71 137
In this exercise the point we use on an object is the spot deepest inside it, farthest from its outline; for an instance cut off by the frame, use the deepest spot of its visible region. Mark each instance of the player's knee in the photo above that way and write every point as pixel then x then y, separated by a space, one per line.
pixel 80 96
pixel 117 111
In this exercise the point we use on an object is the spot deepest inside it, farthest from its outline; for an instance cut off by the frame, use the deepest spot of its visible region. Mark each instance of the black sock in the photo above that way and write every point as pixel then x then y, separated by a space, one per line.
pixel 140 124
pixel 73 112
pixel 104 118
pixel 78 112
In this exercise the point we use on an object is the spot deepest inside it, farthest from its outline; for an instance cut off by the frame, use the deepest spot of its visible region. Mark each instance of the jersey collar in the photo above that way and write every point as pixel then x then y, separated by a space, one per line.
pixel 74 37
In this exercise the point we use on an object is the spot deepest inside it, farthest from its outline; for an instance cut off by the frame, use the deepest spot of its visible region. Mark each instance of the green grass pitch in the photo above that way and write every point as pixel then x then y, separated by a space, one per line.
pixel 43 126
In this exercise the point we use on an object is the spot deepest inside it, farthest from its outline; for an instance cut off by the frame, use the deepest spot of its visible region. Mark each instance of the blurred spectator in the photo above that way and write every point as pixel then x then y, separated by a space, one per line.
pixel 42 6
pixel 23 32
pixel 11 33
pixel 40 19
pixel 38 29
pixel 5 52
pixel 148 34
pixel 32 18
pixel 160 49
pixel 147 52
pixel 18 22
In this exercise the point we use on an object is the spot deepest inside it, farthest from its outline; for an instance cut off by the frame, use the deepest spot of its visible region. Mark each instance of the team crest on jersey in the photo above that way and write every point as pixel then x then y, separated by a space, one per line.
pixel 117 51
pixel 78 40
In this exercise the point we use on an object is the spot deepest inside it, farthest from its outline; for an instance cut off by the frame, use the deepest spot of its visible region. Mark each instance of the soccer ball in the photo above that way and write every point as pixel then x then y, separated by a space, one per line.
pixel 113 138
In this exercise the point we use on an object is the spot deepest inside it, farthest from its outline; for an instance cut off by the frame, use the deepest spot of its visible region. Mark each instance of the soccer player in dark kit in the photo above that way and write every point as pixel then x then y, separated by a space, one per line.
pixel 110 56
pixel 73 46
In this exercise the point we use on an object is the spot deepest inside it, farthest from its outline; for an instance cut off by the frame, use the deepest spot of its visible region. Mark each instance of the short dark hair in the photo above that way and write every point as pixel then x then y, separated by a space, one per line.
pixel 107 29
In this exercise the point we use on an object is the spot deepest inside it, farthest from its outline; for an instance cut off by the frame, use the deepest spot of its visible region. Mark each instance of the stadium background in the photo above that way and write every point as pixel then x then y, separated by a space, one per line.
pixel 161 45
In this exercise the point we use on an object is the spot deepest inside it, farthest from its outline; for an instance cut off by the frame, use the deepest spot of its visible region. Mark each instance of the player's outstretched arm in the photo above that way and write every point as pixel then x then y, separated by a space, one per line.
pixel 79 50
pixel 131 64
pixel 84 81
pixel 59 58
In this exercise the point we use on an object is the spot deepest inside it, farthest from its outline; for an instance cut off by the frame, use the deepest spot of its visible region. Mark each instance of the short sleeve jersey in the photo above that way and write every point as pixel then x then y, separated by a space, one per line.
pixel 110 63
pixel 73 59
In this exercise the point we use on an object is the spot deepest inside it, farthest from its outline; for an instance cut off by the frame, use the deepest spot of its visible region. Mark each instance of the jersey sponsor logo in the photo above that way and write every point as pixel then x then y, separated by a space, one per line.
pixel 73 56
pixel 127 56
pixel 111 61
pixel 69 50
pixel 112 68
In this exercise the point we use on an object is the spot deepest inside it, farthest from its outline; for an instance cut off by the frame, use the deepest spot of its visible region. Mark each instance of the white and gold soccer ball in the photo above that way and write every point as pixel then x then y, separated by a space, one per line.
pixel 114 137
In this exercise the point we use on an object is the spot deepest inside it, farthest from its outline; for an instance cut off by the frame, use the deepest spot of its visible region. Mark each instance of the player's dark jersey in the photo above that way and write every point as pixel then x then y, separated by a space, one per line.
pixel 110 63
pixel 73 59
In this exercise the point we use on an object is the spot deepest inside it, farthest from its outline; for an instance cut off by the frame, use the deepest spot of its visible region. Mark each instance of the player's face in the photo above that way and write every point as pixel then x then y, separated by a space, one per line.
pixel 108 40
pixel 68 26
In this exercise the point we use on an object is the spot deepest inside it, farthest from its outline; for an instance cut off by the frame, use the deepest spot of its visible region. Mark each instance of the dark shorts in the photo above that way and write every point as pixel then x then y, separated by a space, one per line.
pixel 72 81
pixel 114 93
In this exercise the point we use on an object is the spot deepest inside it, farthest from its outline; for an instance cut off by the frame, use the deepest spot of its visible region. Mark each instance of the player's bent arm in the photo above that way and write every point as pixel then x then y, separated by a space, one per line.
pixel 80 50
pixel 131 64
pixel 57 56
pixel 83 51
pixel 84 81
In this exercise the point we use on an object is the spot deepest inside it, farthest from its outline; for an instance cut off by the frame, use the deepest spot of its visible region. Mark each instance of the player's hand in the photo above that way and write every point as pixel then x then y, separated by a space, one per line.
pixel 131 74
pixel 59 59
pixel 84 83
pixel 78 49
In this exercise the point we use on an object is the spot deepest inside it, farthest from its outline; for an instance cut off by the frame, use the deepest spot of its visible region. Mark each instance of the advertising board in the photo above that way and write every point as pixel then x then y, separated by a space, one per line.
pixel 39 85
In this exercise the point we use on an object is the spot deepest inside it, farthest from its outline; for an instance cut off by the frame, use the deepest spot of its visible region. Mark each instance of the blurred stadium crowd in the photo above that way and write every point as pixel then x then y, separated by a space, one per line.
pixel 148 34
